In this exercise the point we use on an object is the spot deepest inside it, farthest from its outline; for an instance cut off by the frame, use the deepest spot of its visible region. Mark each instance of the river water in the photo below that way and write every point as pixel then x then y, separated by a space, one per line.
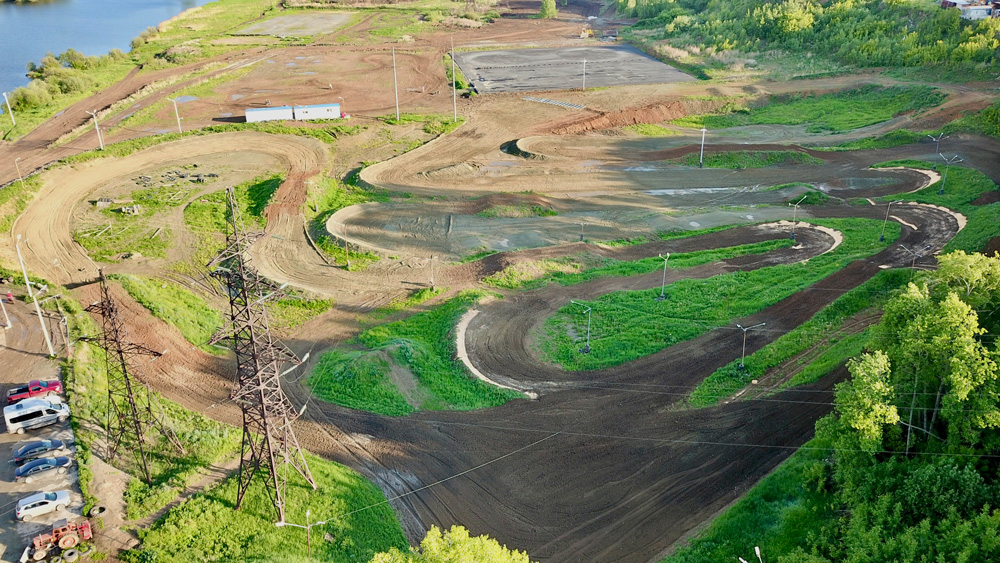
pixel 93 27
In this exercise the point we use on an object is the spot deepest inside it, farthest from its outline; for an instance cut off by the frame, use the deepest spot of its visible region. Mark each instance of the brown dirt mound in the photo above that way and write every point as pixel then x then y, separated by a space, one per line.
pixel 992 246
pixel 481 204
pixel 987 198
pixel 656 113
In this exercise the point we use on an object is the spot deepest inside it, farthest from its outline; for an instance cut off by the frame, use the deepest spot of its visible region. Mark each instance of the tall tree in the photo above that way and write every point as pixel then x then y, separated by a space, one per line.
pixel 548 9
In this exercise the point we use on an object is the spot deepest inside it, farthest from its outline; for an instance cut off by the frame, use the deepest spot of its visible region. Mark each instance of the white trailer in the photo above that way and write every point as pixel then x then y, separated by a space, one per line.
pixel 322 111
pixel 281 113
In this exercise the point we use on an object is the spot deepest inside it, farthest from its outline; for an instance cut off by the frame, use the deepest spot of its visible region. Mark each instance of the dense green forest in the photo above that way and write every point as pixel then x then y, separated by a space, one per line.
pixel 861 33
pixel 914 469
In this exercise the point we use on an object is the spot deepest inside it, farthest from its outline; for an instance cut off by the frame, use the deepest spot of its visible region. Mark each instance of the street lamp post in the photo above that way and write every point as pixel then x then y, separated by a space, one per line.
pixel 937 141
pixel 585 349
pixel 913 261
pixel 10 111
pixel 433 258
pixel 584 74
pixel 948 163
pixel 38 310
pixel 395 85
pixel 745 331
pixel 881 237
pixel 176 114
pixel 18 168
pixel 795 210
pixel 308 528
pixel 663 284
pixel 100 140
pixel 5 316
pixel 701 157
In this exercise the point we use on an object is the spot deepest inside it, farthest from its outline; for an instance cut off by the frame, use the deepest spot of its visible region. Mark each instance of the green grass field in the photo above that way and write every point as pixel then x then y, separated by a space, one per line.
pixel 425 345
pixel 750 159
pixel 632 324
pixel 833 113
pixel 729 379
pixel 357 515
pixel 575 269
pixel 323 200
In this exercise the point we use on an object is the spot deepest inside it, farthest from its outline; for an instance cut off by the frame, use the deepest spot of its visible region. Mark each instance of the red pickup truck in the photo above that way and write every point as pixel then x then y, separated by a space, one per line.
pixel 34 389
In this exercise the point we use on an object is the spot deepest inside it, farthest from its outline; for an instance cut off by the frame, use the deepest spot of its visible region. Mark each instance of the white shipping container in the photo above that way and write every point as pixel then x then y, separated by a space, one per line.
pixel 324 111
pixel 270 114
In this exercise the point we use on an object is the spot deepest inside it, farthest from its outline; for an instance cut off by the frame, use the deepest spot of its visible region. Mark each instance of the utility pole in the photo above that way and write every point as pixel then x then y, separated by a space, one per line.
pixel 269 443
pixel 10 111
pixel 176 114
pixel 701 157
pixel 585 349
pixel 948 163
pixel 97 128
pixel 395 85
pixel 131 413
pixel 881 237
pixel 663 284
pixel 454 85
pixel 433 258
pixel 581 230
pixel 795 210
pixel 31 295
pixel 584 74
pixel 913 262
pixel 745 331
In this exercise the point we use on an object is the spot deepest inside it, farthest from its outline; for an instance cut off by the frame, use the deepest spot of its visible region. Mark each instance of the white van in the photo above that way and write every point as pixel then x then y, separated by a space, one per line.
pixel 34 413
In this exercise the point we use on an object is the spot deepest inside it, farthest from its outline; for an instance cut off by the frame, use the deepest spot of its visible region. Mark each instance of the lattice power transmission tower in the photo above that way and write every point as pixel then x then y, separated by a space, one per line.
pixel 269 444
pixel 132 409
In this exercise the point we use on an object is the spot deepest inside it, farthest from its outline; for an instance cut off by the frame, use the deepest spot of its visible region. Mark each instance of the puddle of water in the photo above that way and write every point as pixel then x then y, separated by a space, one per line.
pixel 290 64
pixel 270 62
pixel 237 97
pixel 299 58
pixel 184 99
pixel 309 73
pixel 690 191
pixel 60 113
pixel 694 224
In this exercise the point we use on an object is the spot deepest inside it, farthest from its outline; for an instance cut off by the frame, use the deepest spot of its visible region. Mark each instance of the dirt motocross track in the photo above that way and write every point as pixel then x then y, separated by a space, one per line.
pixel 604 466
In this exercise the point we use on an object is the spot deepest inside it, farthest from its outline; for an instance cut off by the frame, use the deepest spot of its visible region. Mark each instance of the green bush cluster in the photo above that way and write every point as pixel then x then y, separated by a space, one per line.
pixel 54 75
pixel 865 33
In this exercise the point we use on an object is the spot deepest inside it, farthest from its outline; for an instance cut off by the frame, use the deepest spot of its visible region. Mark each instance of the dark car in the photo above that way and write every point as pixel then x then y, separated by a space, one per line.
pixel 40 467
pixel 36 449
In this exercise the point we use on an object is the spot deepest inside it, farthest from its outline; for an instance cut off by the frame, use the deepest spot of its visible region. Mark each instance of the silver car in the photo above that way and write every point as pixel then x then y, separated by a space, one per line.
pixel 40 504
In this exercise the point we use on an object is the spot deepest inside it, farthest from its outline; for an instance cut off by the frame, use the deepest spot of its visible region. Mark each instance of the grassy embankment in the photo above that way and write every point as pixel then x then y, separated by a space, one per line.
pixel 825 113
pixel 423 344
pixel 632 324
pixel 176 306
pixel 749 159
pixel 357 516
pixel 582 268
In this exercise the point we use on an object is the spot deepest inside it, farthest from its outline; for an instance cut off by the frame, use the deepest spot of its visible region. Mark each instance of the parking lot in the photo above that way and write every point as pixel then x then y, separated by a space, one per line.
pixel 23 358
pixel 529 70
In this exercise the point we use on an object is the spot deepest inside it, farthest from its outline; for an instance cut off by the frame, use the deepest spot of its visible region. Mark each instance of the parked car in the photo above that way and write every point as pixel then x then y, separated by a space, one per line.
pixel 36 449
pixel 39 467
pixel 33 413
pixel 40 504
pixel 34 389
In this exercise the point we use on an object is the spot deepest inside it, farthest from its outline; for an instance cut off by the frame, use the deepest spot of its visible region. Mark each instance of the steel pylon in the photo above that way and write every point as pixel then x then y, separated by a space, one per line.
pixel 132 408
pixel 269 443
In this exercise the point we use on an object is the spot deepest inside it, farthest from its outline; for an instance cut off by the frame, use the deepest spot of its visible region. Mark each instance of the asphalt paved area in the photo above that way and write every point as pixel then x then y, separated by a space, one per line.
pixel 529 70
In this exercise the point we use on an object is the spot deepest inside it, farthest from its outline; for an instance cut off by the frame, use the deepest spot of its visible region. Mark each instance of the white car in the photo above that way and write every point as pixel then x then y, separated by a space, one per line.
pixel 40 504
